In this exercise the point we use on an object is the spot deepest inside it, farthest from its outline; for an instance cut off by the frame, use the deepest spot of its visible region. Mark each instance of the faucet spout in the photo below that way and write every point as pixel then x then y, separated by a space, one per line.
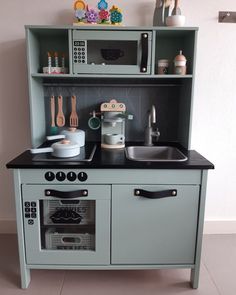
pixel 152 116
pixel 149 131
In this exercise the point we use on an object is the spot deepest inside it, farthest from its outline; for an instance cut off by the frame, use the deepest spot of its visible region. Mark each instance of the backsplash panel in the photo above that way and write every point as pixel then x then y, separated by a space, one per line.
pixel 138 101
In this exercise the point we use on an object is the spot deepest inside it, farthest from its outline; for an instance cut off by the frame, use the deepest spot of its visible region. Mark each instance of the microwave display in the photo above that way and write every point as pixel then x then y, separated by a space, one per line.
pixel 79 43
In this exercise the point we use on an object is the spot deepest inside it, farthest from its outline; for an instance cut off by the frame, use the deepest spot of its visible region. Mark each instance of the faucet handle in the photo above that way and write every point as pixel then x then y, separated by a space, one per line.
pixel 156 133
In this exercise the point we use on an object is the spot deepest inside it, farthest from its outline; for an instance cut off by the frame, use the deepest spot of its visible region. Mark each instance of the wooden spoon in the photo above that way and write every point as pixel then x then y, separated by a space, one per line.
pixel 60 115
pixel 53 128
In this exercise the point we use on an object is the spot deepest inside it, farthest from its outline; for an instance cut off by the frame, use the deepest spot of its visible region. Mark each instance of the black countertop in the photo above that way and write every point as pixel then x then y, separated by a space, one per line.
pixel 111 159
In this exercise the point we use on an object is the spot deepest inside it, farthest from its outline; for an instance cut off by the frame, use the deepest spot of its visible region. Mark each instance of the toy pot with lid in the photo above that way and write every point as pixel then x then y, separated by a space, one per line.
pixel 72 134
pixel 61 149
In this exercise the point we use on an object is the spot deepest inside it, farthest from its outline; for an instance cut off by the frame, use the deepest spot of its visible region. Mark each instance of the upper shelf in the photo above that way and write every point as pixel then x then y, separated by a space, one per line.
pixel 109 51
pixel 104 27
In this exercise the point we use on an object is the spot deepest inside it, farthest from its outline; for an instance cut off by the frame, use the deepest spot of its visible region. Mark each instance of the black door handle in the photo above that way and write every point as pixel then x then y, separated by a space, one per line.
pixel 144 58
pixel 155 195
pixel 66 195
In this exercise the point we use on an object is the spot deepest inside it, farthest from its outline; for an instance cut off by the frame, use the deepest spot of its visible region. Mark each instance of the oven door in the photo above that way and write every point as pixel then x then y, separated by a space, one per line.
pixel 67 224
pixel 111 52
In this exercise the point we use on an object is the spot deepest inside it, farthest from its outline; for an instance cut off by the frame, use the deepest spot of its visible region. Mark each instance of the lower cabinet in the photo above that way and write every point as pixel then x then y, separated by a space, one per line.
pixel 154 224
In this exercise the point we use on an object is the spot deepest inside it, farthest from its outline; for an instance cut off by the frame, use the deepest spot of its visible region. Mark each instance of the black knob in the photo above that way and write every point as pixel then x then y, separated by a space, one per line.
pixel 60 176
pixel 82 176
pixel 71 176
pixel 49 176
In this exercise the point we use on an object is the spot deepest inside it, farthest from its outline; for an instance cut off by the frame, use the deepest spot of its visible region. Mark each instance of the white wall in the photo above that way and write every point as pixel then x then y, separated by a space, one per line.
pixel 214 116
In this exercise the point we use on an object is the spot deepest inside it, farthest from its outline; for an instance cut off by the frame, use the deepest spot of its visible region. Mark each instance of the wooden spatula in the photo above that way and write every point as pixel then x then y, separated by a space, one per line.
pixel 60 115
pixel 74 120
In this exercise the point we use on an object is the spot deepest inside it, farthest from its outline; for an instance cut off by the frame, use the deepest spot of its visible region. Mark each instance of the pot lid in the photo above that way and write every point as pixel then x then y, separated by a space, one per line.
pixel 72 130
pixel 65 144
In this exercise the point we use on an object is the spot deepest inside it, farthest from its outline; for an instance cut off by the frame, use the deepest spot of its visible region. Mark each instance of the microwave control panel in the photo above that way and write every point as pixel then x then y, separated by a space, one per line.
pixel 80 51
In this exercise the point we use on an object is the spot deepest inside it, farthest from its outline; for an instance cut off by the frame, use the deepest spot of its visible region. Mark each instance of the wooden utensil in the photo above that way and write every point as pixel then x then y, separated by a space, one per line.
pixel 73 116
pixel 158 14
pixel 176 10
pixel 53 128
pixel 167 10
pixel 60 115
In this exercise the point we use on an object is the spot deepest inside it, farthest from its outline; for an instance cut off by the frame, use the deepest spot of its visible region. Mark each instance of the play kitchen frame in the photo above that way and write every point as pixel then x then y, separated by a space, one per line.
pixel 162 208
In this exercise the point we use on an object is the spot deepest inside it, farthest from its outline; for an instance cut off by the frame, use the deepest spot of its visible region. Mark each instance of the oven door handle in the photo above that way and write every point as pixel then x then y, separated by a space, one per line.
pixel 66 195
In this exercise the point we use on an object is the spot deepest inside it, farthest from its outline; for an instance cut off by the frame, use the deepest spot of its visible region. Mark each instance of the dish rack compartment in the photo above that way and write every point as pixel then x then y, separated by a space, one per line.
pixel 56 240
pixel 84 209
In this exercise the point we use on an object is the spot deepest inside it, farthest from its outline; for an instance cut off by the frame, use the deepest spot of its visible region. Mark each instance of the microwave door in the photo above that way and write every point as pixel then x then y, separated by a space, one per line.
pixel 120 52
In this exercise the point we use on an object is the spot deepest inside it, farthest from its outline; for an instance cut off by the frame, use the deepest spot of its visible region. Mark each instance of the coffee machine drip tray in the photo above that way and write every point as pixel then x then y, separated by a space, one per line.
pixel 112 146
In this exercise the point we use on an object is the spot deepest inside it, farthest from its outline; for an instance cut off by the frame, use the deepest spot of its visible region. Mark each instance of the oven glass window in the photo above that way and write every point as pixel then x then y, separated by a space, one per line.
pixel 67 224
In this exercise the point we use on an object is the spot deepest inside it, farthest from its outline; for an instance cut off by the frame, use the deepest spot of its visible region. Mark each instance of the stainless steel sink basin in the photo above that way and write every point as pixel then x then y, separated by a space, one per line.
pixel 154 154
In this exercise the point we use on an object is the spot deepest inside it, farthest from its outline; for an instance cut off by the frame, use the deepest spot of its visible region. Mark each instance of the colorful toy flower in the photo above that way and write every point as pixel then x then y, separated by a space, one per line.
pixel 79 5
pixel 91 15
pixel 116 15
pixel 102 5
pixel 80 14
pixel 103 15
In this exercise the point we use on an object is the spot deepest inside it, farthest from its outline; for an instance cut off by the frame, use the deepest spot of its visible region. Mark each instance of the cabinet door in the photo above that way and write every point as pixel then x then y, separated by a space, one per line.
pixel 154 231
pixel 67 224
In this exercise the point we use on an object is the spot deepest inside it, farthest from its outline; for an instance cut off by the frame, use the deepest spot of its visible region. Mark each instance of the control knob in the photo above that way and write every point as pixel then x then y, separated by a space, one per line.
pixel 82 176
pixel 49 176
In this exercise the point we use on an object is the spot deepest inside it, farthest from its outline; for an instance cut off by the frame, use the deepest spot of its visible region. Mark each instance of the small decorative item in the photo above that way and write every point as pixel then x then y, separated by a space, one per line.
pixel 56 59
pixel 55 68
pixel 161 12
pixel 180 64
pixel 163 65
pixel 63 60
pixel 176 19
pixel 100 16
pixel 91 16
pixel 103 13
pixel 80 11
pixel 49 62
pixel 115 15
pixel 104 16
pixel 102 5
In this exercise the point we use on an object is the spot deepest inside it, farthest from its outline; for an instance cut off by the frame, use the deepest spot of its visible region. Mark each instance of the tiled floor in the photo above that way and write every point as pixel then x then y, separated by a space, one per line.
pixel 218 275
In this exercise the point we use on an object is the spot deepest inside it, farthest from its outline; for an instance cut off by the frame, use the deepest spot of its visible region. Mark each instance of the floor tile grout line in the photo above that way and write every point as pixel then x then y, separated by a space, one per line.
pixel 63 280
pixel 212 278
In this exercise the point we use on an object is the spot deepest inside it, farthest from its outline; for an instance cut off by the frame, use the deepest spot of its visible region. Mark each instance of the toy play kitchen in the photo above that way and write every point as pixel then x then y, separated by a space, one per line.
pixel 132 193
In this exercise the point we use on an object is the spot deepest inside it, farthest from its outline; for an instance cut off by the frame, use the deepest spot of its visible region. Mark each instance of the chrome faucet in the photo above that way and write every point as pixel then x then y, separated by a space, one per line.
pixel 150 132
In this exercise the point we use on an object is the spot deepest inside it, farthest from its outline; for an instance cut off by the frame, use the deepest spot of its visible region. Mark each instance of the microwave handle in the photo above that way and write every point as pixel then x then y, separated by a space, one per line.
pixel 66 195
pixel 144 57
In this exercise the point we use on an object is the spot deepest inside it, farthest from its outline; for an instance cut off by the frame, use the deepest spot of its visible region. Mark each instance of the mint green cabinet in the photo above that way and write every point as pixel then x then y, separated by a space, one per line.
pixel 154 231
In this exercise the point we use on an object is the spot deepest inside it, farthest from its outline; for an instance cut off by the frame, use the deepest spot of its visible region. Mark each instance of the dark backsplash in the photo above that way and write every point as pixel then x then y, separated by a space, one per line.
pixel 138 100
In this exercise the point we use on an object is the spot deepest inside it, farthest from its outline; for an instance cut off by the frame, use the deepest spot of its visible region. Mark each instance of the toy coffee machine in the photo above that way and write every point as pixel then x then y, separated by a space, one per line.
pixel 113 125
